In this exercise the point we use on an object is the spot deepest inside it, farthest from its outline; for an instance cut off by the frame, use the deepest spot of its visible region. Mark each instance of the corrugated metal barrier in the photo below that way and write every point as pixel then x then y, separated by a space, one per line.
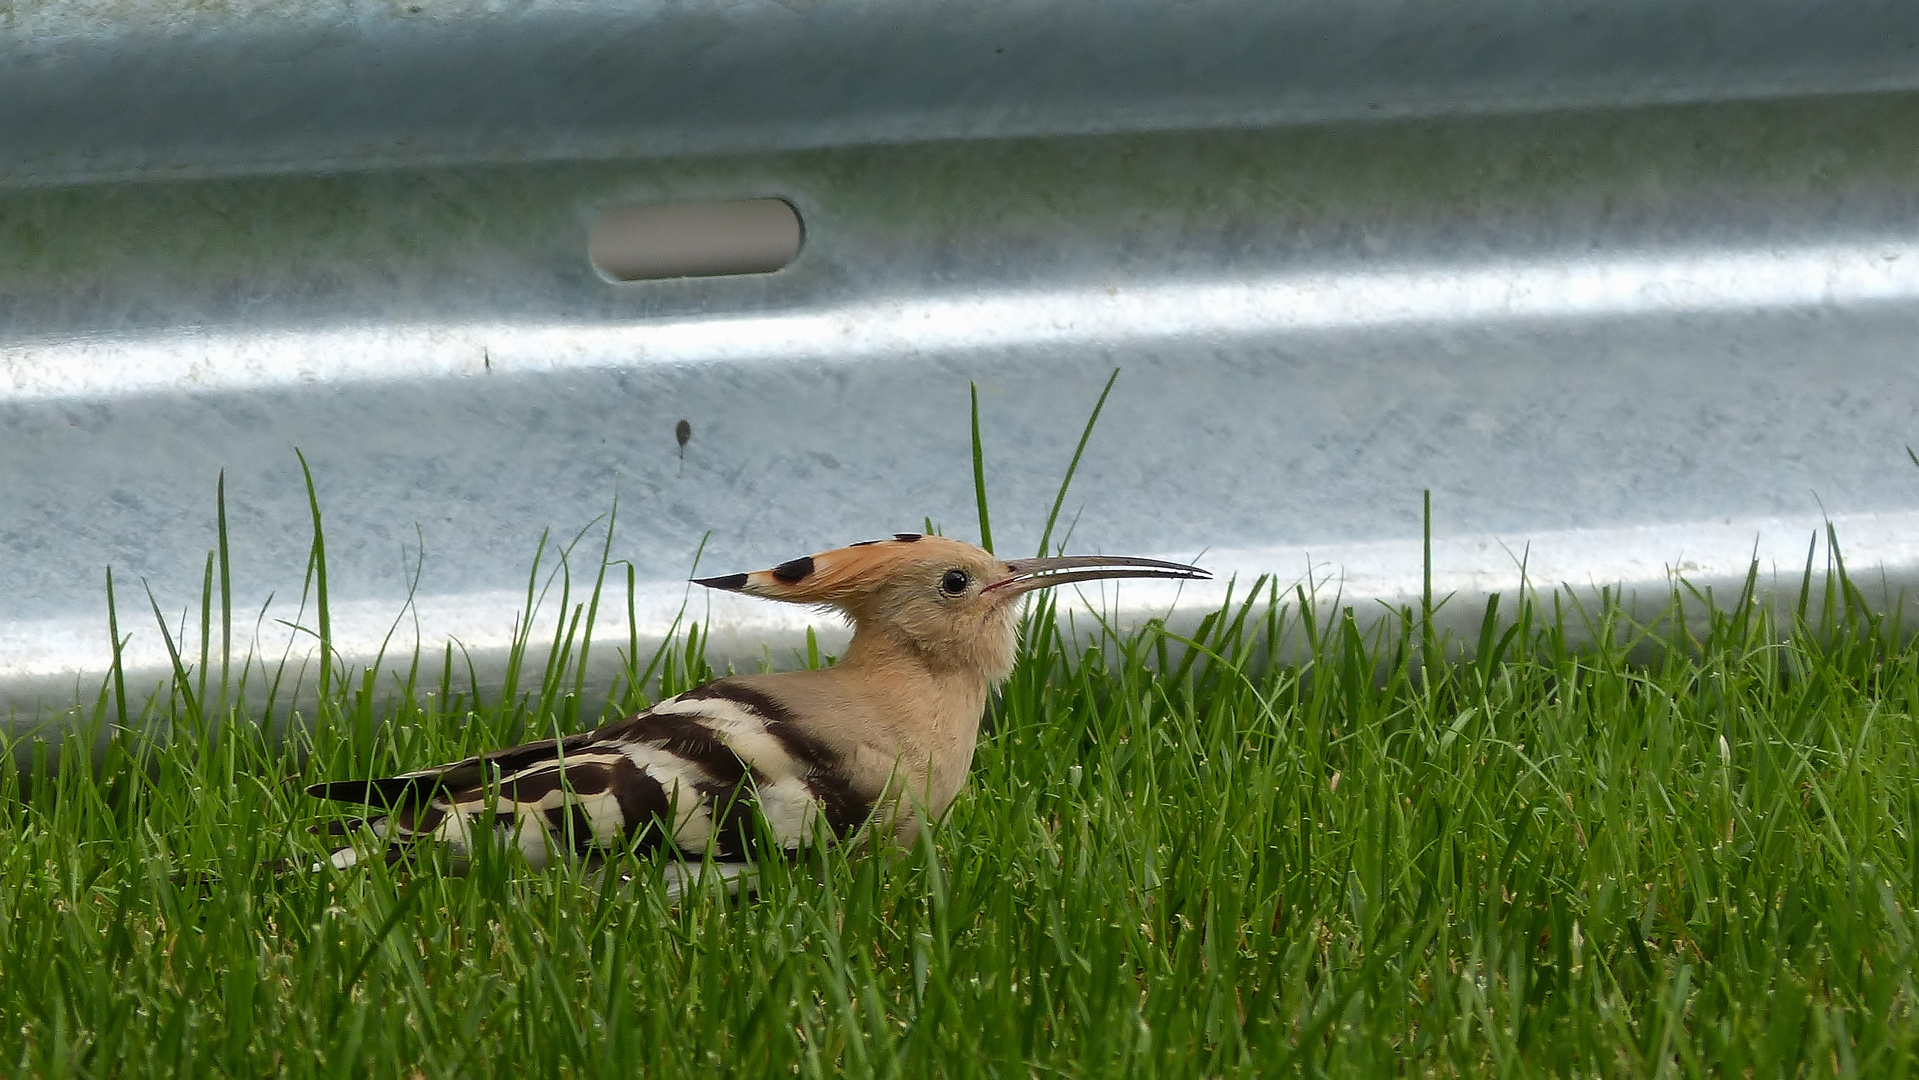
pixel 1631 286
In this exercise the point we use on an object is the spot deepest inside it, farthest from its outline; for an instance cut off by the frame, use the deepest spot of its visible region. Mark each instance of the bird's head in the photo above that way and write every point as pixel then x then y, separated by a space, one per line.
pixel 946 602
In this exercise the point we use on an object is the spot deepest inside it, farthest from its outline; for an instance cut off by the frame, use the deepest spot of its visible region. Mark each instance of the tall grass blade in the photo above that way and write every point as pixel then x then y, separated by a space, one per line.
pixel 1066 482
pixel 979 477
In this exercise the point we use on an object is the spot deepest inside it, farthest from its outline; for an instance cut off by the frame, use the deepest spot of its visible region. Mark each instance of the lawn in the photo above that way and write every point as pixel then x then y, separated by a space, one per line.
pixel 1575 845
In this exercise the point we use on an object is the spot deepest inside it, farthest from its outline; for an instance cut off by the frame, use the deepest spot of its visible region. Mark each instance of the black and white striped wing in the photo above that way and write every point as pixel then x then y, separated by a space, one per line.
pixel 721 772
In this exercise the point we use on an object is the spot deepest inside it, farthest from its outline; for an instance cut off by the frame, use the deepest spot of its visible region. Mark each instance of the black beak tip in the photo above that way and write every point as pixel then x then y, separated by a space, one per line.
pixel 729 582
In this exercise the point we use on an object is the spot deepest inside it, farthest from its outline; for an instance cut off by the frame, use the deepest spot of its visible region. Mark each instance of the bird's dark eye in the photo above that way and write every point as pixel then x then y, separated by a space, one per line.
pixel 955 582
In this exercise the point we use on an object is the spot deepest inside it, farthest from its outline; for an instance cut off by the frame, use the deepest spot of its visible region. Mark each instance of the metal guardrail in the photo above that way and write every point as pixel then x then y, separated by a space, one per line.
pixel 1631 286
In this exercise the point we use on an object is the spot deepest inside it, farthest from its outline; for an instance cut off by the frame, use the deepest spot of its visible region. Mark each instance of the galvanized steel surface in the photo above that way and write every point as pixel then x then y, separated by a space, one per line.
pixel 1632 287
pixel 148 88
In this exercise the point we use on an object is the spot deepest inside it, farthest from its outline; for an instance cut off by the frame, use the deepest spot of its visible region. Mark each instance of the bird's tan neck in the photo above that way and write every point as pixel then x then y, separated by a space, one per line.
pixel 931 711
pixel 932 697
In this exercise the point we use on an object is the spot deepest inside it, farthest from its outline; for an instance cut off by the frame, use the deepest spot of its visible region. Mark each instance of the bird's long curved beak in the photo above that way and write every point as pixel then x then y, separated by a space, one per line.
pixel 1030 574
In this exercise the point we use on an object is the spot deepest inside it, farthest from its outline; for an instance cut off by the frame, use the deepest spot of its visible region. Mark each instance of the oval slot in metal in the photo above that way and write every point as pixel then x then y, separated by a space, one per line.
pixel 740 236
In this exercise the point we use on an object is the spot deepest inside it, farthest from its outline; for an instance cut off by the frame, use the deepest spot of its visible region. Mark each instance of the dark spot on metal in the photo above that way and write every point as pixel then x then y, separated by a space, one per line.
pixel 794 570
pixel 734 582
pixel 683 432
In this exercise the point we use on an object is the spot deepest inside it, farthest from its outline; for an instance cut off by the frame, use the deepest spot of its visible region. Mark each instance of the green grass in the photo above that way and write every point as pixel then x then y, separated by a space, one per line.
pixel 1595 847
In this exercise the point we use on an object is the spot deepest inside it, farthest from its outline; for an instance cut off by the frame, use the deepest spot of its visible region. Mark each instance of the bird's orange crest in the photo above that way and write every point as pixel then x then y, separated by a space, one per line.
pixel 833 577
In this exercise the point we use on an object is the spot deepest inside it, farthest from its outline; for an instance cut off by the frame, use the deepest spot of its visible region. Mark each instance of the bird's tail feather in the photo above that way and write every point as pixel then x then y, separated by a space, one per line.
pixel 386 793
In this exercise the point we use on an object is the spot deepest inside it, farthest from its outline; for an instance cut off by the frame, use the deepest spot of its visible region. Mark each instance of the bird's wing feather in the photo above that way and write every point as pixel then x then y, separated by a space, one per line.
pixel 720 770
pixel 412 788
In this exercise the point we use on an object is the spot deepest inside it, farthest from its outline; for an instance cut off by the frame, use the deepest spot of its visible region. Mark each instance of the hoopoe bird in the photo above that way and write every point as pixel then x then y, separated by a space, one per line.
pixel 881 741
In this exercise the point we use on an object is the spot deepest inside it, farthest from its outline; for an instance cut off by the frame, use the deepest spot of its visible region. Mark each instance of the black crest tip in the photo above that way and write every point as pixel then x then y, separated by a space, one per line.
pixel 729 582
pixel 793 570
